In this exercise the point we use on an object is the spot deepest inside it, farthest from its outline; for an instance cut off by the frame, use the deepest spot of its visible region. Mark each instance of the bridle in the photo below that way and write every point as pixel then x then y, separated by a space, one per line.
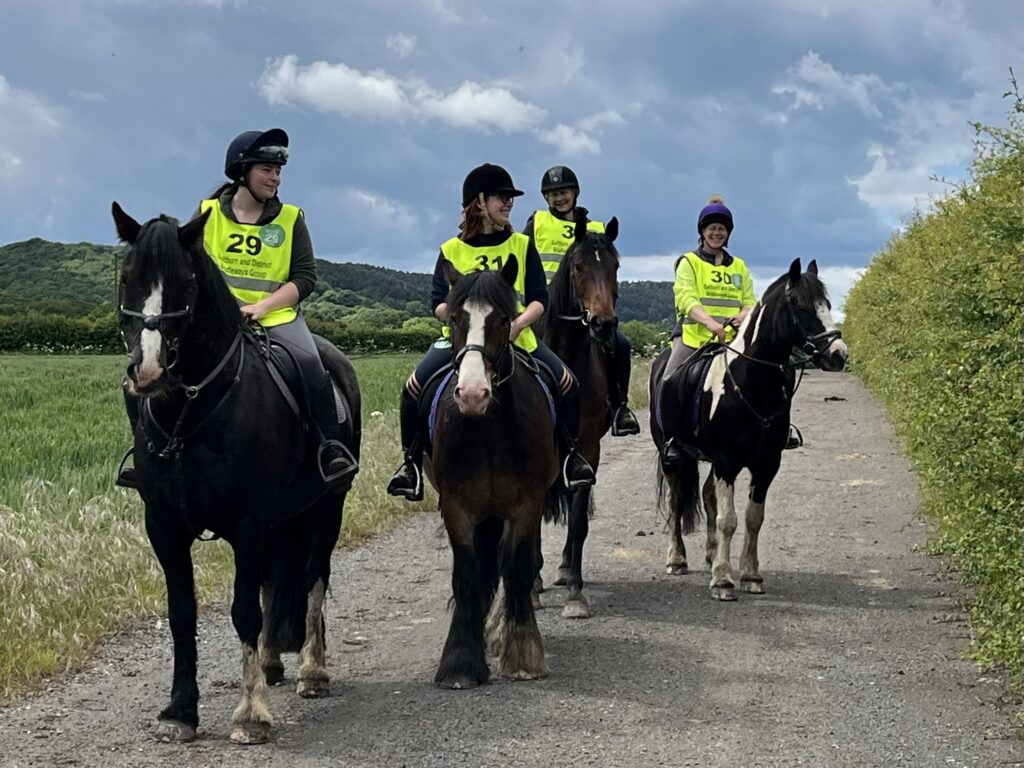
pixel 494 359
pixel 585 317
pixel 155 322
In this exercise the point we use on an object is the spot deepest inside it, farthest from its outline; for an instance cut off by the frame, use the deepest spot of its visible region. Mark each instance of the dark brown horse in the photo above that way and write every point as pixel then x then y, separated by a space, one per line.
pixel 580 326
pixel 492 461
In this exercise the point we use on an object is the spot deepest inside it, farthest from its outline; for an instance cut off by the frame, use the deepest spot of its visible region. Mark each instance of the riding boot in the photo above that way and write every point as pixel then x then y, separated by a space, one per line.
pixel 576 471
pixel 335 461
pixel 624 421
pixel 672 454
pixel 126 477
pixel 407 482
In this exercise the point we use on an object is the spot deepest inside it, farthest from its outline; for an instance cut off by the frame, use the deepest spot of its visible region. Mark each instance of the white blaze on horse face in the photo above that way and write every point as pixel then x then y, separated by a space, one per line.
pixel 149 369
pixel 837 347
pixel 474 384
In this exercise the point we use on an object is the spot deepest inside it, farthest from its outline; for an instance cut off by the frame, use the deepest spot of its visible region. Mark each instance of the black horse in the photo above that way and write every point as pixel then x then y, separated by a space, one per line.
pixel 733 403
pixel 579 326
pixel 492 461
pixel 219 448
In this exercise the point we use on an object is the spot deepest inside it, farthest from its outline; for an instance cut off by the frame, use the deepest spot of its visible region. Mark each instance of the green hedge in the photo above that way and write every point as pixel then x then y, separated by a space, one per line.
pixel 935 331
pixel 33 331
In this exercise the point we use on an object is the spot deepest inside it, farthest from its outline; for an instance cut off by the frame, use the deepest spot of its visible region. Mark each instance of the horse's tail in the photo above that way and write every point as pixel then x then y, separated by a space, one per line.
pixel 556 503
pixel 286 584
pixel 683 488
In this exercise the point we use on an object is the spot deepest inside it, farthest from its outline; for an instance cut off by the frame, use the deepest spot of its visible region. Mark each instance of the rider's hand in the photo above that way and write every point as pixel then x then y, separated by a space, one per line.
pixel 254 311
pixel 716 328
pixel 515 328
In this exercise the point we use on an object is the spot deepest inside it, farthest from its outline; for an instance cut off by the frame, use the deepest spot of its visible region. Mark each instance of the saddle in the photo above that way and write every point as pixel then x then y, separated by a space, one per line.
pixel 430 395
pixel 286 373
pixel 689 389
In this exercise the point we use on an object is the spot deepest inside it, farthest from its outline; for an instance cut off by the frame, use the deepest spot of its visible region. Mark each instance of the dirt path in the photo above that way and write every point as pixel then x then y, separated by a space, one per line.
pixel 850 659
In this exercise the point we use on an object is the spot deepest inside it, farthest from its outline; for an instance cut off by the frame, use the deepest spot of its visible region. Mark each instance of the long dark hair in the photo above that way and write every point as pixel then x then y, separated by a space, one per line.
pixel 473 218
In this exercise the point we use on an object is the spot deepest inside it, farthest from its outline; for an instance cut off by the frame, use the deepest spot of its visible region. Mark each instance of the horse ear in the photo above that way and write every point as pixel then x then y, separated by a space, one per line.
pixel 794 271
pixel 510 271
pixel 611 230
pixel 191 232
pixel 581 229
pixel 127 227
pixel 813 267
pixel 451 273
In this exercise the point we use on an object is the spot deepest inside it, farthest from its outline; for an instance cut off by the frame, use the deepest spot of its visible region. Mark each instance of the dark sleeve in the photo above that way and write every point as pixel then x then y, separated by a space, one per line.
pixel 528 229
pixel 303 267
pixel 439 287
pixel 536 283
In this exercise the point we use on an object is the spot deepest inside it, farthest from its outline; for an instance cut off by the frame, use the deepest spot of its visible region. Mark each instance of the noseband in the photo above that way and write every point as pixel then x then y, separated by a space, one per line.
pixel 494 360
pixel 814 345
pixel 155 322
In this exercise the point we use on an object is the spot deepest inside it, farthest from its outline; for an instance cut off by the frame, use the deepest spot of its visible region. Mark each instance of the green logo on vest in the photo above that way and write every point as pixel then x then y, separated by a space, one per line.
pixel 272 235
pixel 737 281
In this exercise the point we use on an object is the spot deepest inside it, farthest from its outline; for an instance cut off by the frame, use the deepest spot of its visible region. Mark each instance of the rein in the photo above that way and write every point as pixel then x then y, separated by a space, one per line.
pixel 494 360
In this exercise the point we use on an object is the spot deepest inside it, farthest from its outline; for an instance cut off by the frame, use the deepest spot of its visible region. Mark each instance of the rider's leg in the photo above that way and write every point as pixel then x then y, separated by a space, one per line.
pixel 619 364
pixel 576 472
pixel 337 465
pixel 669 406
pixel 407 482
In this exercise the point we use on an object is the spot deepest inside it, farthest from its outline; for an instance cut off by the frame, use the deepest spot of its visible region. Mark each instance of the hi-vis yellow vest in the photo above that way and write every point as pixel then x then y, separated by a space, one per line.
pixel 553 236
pixel 720 290
pixel 467 258
pixel 255 259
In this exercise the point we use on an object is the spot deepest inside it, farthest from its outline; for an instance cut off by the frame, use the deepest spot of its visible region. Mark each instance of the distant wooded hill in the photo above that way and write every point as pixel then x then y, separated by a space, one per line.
pixel 80 279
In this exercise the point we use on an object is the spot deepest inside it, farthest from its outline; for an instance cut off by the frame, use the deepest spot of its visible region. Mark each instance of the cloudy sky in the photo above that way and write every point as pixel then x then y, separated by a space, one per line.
pixel 820 121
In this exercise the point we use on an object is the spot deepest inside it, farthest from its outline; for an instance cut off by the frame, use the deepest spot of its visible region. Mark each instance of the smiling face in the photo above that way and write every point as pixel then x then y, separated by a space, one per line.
pixel 562 200
pixel 715 236
pixel 498 207
pixel 264 179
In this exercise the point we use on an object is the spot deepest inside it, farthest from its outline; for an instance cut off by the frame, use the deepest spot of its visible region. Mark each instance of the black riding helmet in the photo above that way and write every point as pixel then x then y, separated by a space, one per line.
pixel 487 179
pixel 559 177
pixel 250 147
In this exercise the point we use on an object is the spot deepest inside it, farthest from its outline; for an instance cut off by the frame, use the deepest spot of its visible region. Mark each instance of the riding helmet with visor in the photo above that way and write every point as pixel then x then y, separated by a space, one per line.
pixel 559 177
pixel 487 179
pixel 250 147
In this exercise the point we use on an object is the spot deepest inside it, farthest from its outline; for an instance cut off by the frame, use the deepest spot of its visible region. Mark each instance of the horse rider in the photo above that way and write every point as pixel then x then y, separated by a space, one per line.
pixel 714 293
pixel 485 241
pixel 265 253
pixel 553 232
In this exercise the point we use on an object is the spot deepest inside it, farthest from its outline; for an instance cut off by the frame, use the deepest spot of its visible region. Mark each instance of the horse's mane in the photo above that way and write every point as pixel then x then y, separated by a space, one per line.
pixel 159 245
pixel 487 287
pixel 808 289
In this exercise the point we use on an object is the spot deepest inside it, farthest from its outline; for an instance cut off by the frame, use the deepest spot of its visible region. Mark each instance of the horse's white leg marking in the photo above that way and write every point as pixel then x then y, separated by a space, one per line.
pixel 270 661
pixel 750 574
pixel 252 718
pixel 721 569
pixel 675 559
pixel 313 680
pixel 711 510
pixel 494 626
pixel 149 369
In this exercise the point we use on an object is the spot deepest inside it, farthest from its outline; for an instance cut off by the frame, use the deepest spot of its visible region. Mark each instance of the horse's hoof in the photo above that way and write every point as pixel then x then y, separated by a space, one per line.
pixel 677 569
pixel 313 688
pixel 457 683
pixel 274 674
pixel 525 674
pixel 251 733
pixel 174 730
pixel 753 587
pixel 576 609
pixel 725 594
pixel 563 577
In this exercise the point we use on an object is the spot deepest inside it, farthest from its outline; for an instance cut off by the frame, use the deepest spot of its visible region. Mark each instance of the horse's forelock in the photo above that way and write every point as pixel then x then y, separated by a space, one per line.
pixel 157 254
pixel 485 287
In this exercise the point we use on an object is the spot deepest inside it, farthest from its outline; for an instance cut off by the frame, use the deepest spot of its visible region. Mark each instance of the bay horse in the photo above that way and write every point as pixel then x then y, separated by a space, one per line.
pixel 579 326
pixel 734 404
pixel 492 459
pixel 218 448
